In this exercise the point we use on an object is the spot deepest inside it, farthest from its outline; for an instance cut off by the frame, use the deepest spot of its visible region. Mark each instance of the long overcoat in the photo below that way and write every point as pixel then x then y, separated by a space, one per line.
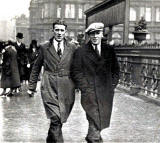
pixel 57 88
pixel 22 60
pixel 32 56
pixel 10 75
pixel 96 76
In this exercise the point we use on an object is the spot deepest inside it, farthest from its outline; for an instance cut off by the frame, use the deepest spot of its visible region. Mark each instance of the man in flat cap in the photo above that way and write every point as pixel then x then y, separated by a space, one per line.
pixel 57 88
pixel 95 71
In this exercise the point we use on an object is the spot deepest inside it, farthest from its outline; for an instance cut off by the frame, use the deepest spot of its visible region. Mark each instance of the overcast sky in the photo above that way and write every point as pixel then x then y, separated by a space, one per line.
pixel 11 8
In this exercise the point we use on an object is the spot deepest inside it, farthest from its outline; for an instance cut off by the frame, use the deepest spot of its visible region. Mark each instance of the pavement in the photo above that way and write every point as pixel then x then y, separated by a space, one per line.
pixel 23 120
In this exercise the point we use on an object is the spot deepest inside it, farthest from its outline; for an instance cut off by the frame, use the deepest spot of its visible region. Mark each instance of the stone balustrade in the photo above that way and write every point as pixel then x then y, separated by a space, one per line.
pixel 140 69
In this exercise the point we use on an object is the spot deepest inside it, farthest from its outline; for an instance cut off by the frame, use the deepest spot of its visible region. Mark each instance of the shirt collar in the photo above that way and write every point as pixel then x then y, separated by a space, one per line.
pixel 98 46
pixel 55 43
pixel 18 43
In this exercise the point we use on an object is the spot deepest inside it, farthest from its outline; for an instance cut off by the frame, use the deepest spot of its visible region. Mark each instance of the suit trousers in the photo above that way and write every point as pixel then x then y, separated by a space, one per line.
pixel 93 135
pixel 55 131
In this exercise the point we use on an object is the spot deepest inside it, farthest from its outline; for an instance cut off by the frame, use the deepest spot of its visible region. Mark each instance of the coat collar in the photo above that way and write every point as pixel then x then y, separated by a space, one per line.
pixel 91 54
pixel 99 61
pixel 52 50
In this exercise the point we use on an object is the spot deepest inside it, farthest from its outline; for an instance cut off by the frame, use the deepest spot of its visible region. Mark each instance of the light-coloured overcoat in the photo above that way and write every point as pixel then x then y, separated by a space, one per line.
pixel 57 88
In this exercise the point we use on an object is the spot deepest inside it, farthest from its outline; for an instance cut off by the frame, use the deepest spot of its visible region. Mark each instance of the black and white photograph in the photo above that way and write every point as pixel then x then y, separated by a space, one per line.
pixel 79 71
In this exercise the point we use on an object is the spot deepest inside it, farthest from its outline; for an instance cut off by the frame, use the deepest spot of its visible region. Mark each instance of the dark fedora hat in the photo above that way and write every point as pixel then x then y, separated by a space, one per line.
pixel 20 35
pixel 34 42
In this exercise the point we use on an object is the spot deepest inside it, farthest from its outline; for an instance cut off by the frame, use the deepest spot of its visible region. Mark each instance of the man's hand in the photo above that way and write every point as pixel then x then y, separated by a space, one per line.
pixel 3 51
pixel 28 65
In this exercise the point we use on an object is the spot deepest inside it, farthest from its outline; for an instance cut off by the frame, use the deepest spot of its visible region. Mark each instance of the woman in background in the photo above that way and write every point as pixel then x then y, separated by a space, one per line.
pixel 10 74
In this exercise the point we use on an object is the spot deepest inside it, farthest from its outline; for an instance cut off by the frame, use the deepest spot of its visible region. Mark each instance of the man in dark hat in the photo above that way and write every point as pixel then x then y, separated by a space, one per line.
pixel 22 58
pixel 57 89
pixel 20 36
pixel 95 72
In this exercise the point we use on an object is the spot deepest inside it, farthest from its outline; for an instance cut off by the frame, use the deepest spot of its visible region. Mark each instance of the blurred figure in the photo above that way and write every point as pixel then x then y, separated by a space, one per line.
pixel 33 52
pixel 22 58
pixel 10 74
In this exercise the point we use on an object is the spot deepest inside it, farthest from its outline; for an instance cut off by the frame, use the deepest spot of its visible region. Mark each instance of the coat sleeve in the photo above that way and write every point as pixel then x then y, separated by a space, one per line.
pixel 25 55
pixel 115 69
pixel 77 74
pixel 35 71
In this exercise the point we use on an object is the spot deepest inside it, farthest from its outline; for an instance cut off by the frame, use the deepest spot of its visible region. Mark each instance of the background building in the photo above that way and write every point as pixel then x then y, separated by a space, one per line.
pixel 22 25
pixel 150 10
pixel 7 30
pixel 44 12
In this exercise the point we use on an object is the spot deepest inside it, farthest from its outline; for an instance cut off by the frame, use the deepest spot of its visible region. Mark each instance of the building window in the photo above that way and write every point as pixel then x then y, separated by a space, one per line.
pixel 80 12
pixel 148 36
pixel 70 11
pixel 146 13
pixel 132 14
pixel 42 14
pixel 157 14
pixel 52 9
pixel 58 11
pixel 46 10
pixel 131 36
pixel 116 36
pixel 157 36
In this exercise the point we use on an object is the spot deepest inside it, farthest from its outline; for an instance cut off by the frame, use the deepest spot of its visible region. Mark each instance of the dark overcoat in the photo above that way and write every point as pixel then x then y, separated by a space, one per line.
pixel 57 88
pixel 96 76
pixel 32 56
pixel 10 75
pixel 22 60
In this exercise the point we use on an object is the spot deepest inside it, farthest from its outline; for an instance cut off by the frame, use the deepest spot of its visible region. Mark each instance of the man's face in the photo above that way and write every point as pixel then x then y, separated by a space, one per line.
pixel 19 40
pixel 96 37
pixel 59 32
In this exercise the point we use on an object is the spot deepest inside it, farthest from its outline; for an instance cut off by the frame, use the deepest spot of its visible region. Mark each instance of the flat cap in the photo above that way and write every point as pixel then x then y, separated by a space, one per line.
pixel 98 26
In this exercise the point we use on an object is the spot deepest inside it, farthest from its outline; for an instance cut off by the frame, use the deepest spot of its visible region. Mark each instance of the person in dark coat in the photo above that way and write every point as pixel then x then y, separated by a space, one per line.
pixel 22 58
pixel 32 52
pixel 57 88
pixel 95 71
pixel 10 74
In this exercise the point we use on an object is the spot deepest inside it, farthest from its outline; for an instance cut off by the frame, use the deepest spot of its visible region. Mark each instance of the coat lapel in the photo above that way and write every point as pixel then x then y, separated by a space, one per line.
pixel 99 61
pixel 91 54
pixel 66 51
pixel 102 64
pixel 52 51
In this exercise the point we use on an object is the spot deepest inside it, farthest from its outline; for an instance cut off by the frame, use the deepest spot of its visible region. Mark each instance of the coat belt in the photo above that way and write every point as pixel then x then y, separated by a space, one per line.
pixel 59 73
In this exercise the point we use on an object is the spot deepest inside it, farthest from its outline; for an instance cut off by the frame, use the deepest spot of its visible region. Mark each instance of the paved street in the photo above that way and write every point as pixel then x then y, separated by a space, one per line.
pixel 22 119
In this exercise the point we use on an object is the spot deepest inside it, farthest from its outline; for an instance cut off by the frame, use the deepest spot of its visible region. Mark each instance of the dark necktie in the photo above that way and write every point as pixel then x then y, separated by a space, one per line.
pixel 59 51
pixel 96 50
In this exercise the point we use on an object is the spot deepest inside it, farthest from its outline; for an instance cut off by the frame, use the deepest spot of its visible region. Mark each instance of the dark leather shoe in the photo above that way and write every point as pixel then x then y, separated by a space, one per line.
pixel 3 94
pixel 31 95
pixel 9 94
pixel 94 141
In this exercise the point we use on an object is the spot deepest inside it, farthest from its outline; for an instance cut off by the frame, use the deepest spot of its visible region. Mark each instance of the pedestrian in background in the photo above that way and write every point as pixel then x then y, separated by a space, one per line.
pixel 32 52
pixel 22 58
pixel 95 71
pixel 57 88
pixel 10 74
